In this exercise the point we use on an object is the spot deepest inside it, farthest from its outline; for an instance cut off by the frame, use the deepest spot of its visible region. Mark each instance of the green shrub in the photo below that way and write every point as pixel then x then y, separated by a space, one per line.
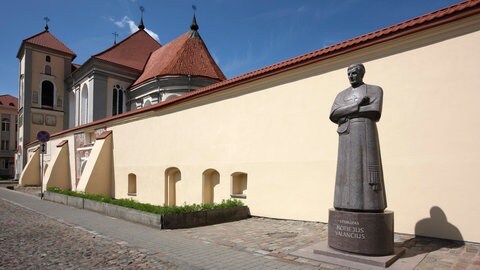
pixel 146 207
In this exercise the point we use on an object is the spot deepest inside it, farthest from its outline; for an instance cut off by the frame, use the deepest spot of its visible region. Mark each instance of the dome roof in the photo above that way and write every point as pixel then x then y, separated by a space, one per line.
pixel 186 55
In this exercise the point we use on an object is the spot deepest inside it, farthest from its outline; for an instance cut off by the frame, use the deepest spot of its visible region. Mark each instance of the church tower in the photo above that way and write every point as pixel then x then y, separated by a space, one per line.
pixel 45 63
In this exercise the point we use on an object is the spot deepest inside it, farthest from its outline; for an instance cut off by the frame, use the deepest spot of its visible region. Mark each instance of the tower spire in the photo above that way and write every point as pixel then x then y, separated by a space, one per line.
pixel 46 22
pixel 141 26
pixel 194 26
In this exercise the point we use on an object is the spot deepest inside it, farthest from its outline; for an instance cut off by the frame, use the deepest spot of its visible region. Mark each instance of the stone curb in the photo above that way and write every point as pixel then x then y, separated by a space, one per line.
pixel 116 211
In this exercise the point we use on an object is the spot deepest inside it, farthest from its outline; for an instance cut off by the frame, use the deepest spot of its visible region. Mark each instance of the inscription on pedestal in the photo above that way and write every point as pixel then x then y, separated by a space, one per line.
pixel 350 229
pixel 360 232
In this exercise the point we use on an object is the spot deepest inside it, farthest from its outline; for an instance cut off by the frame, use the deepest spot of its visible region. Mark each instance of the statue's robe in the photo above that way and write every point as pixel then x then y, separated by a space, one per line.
pixel 359 184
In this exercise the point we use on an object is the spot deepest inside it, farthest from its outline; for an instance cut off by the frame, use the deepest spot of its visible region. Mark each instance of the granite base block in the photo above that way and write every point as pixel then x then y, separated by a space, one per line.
pixel 361 232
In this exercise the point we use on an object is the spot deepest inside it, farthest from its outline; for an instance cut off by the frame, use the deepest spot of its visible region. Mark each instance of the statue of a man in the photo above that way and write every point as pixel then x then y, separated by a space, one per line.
pixel 359 182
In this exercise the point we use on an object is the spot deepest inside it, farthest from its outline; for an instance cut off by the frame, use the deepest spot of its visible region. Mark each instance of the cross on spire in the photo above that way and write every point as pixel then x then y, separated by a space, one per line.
pixel 115 35
pixel 46 19
pixel 141 26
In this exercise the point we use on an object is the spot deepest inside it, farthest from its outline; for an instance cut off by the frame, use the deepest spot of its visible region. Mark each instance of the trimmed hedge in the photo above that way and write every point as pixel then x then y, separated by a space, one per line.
pixel 146 207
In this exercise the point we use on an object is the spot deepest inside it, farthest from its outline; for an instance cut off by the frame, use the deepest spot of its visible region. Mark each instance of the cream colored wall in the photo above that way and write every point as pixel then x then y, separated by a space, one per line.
pixel 277 131
pixel 97 175
pixel 57 63
pixel 58 171
pixel 34 128
pixel 31 173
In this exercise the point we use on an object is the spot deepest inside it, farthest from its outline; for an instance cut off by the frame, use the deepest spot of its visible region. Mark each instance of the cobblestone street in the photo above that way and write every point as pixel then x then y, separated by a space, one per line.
pixel 278 238
pixel 29 240
pixel 48 237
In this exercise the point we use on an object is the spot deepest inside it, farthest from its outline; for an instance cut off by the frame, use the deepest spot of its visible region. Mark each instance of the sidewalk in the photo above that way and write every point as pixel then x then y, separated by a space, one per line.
pixel 256 243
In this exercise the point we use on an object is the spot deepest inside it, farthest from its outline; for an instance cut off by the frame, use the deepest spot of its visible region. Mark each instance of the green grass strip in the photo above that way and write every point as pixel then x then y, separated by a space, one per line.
pixel 146 207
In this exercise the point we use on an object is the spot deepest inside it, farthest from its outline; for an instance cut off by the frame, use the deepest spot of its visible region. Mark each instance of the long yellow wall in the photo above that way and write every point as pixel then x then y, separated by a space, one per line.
pixel 276 130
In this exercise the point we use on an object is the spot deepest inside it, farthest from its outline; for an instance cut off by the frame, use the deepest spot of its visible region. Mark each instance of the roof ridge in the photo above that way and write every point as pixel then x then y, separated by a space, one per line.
pixel 181 40
pixel 34 36
pixel 124 40
pixel 457 11
pixel 211 62
pixel 377 34
pixel 344 45
pixel 165 47
pixel 54 43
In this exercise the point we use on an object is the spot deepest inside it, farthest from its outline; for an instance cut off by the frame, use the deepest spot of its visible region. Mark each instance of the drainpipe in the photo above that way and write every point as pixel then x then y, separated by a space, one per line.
pixel 159 92
pixel 189 83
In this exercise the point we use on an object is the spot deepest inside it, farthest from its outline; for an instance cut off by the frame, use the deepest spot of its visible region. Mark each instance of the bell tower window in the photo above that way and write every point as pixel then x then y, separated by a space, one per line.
pixel 47 94
pixel 47 59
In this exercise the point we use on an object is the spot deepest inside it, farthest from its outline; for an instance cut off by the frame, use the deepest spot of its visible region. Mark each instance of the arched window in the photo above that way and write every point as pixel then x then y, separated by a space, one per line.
pixel 47 94
pixel 48 70
pixel 147 102
pixel 47 58
pixel 211 179
pixel 84 105
pixel 132 184
pixel 117 102
pixel 172 177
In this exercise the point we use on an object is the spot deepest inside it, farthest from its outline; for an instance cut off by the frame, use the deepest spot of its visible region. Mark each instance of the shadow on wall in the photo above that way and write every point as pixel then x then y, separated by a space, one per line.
pixel 437 226
pixel 432 234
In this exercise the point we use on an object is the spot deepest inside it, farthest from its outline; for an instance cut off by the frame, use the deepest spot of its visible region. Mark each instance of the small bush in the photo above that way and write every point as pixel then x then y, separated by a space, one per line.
pixel 146 207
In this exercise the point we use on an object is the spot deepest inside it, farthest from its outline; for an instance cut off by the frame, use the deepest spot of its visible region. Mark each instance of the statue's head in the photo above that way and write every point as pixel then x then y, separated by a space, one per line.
pixel 355 74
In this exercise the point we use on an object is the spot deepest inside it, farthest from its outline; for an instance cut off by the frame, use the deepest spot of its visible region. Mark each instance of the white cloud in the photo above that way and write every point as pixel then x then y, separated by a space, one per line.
pixel 133 26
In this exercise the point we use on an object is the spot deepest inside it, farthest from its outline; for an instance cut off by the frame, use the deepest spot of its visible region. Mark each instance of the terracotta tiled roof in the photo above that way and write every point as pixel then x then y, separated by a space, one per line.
pixel 74 67
pixel 132 52
pixel 8 101
pixel 186 55
pixel 443 16
pixel 48 40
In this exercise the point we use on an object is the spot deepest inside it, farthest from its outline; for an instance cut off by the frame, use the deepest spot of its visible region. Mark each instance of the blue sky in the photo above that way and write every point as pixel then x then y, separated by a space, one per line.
pixel 242 35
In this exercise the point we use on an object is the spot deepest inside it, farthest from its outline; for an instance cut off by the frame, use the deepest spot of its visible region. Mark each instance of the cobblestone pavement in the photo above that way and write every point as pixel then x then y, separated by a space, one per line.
pixel 278 238
pixel 263 236
pixel 254 238
pixel 32 241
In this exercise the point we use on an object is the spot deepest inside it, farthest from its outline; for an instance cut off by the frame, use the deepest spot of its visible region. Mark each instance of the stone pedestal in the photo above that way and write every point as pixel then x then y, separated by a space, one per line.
pixel 361 232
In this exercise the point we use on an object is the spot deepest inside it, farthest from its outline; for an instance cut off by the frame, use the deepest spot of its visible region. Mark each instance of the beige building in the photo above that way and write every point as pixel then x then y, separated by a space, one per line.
pixel 265 137
pixel 45 64
pixel 8 135
pixel 56 94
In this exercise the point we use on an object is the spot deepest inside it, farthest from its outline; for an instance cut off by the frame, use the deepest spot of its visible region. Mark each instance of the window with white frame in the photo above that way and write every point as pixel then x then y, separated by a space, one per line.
pixel 5 123
pixel 117 100
pixel 84 105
